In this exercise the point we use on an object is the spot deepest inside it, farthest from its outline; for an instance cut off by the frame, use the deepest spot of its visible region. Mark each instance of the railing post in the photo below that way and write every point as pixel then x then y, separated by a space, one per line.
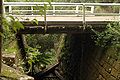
pixel 10 10
pixel 77 8
pixel 92 9
pixel 3 9
pixel 83 13
pixel 119 15
pixel 53 10
pixel 32 9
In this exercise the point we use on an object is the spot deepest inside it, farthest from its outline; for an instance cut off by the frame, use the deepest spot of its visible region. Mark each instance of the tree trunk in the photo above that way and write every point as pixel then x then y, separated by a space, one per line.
pixel 1 12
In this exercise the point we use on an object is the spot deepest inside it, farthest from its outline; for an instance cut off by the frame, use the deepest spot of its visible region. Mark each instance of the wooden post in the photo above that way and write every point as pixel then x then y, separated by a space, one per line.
pixel 1 12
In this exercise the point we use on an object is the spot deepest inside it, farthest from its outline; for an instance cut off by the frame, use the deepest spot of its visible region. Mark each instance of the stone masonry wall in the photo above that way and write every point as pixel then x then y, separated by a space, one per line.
pixel 83 60
pixel 100 63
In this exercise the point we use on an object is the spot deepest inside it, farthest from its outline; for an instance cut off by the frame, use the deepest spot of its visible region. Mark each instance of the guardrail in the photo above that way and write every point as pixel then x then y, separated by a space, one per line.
pixel 58 9
pixel 76 8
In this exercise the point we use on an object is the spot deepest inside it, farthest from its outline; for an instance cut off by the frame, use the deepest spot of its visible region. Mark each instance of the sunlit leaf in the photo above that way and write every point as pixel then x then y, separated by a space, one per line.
pixel 17 26
pixel 1 34
pixel 12 17
pixel 35 21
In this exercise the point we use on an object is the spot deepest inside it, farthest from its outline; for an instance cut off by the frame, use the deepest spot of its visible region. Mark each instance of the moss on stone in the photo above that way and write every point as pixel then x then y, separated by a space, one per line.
pixel 9 73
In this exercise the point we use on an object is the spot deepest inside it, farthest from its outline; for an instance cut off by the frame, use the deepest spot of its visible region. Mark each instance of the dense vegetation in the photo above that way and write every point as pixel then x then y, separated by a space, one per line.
pixel 110 37
pixel 42 49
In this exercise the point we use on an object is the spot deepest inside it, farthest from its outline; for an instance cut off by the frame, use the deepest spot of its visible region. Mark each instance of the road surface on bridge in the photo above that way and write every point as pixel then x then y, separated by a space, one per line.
pixel 70 18
pixel 64 24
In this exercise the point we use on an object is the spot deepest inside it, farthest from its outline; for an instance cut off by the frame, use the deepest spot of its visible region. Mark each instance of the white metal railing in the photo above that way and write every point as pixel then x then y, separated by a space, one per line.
pixel 79 9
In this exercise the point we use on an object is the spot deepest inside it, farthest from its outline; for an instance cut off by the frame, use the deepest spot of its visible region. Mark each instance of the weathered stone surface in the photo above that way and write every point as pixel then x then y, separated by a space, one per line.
pixel 26 78
pixel 107 64
pixel 100 77
pixel 107 67
pixel 117 65
pixel 9 73
pixel 99 63
pixel 114 72
pixel 8 59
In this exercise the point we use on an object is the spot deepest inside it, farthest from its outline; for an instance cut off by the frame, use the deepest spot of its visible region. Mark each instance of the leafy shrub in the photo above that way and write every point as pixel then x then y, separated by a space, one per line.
pixel 110 36
pixel 37 60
